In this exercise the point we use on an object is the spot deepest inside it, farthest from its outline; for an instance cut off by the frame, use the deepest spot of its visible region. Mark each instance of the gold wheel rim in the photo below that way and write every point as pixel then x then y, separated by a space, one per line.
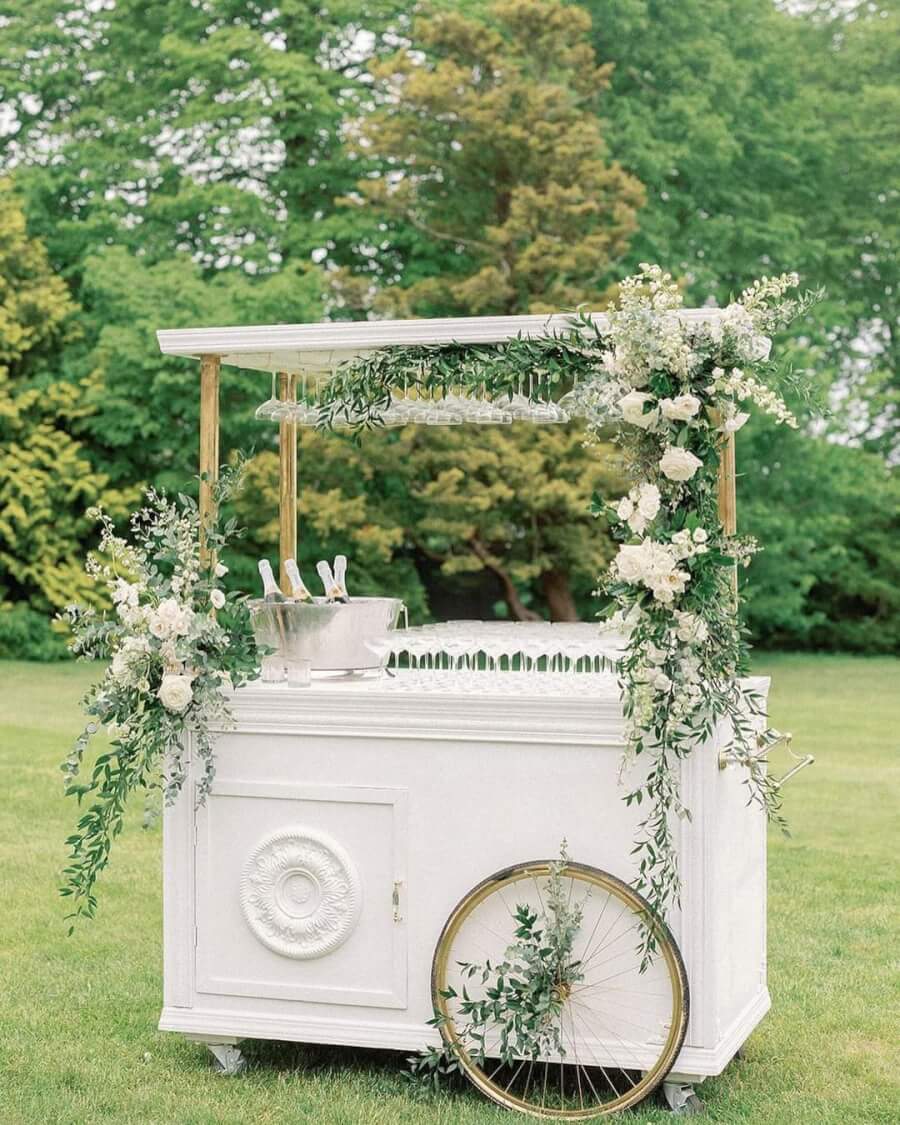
pixel 667 949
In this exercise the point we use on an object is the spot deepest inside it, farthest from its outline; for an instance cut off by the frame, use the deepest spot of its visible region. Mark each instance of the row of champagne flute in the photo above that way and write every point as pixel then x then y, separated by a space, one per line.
pixel 504 646
pixel 451 408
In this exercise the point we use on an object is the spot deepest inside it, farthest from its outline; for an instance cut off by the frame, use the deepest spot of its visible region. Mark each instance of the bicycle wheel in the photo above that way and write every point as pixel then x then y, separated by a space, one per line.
pixel 539 994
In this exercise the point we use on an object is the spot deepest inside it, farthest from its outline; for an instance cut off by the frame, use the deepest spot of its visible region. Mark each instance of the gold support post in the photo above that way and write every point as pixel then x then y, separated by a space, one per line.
pixel 728 493
pixel 209 443
pixel 287 490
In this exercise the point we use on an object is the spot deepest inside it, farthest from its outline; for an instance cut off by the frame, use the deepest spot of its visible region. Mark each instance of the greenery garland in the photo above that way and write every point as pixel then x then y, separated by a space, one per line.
pixel 670 388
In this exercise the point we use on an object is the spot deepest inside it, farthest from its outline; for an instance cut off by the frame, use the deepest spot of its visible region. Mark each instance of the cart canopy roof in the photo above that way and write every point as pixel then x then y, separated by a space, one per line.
pixel 321 347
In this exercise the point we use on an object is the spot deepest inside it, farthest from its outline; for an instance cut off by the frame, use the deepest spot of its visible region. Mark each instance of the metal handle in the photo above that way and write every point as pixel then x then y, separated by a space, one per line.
pixel 802 763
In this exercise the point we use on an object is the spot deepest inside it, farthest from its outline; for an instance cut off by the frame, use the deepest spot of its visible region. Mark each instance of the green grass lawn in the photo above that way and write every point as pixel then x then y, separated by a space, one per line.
pixel 78 1038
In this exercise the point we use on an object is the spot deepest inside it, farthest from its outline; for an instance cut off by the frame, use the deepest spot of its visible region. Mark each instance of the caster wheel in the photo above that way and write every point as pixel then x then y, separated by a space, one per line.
pixel 681 1099
pixel 227 1059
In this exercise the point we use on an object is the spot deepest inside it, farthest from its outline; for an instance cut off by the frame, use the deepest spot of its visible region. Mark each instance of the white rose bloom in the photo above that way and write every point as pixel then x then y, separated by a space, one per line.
pixel 217 598
pixel 648 501
pixel 700 535
pixel 661 681
pixel 170 619
pixel 632 408
pixel 630 563
pixel 175 692
pixel 680 408
pixel 679 464
pixel 121 666
pixel 624 508
pixel 221 570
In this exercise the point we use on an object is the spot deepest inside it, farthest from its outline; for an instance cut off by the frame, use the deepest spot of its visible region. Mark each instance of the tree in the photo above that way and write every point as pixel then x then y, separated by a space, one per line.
pixel 828 519
pixel 46 476
pixel 762 135
pixel 495 195
pixel 492 190
pixel 208 129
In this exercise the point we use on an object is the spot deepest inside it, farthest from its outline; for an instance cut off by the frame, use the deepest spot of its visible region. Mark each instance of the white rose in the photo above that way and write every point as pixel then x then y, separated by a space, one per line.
pixel 632 408
pixel 121 667
pixel 217 598
pixel 700 535
pixel 630 562
pixel 170 619
pixel 679 464
pixel 680 408
pixel 666 586
pixel 661 681
pixel 175 692
pixel 648 501
pixel 221 570
pixel 624 508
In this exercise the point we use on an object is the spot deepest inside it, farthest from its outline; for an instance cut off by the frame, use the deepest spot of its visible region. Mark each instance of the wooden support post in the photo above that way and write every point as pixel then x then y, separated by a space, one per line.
pixel 209 443
pixel 287 490
pixel 728 493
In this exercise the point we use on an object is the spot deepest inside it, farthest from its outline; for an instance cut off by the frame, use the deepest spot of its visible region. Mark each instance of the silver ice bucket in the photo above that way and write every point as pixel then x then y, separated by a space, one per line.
pixel 335 637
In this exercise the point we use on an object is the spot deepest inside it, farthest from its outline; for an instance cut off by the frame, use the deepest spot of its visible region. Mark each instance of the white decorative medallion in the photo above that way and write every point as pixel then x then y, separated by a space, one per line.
pixel 300 893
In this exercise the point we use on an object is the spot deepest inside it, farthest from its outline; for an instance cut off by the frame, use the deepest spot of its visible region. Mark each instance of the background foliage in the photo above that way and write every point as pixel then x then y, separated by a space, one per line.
pixel 173 165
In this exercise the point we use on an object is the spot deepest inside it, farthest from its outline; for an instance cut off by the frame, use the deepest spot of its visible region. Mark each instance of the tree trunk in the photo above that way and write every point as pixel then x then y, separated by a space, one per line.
pixel 517 607
pixel 555 584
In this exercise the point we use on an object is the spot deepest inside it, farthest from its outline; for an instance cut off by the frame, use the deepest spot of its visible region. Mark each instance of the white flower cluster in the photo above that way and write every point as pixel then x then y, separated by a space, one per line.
pixel 639 508
pixel 653 565
pixel 738 385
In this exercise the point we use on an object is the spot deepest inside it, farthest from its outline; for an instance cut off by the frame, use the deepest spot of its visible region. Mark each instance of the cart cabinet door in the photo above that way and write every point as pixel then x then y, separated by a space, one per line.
pixel 300 893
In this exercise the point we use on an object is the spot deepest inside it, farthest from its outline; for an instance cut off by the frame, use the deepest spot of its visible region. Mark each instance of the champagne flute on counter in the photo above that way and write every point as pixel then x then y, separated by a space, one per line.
pixel 299 588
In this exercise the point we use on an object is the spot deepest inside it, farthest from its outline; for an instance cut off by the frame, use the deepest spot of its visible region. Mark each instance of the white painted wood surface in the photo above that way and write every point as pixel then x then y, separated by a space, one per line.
pixel 305 347
pixel 425 794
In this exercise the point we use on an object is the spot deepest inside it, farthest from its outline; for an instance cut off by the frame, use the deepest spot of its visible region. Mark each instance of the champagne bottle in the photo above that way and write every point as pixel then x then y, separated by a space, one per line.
pixel 271 593
pixel 332 591
pixel 298 586
pixel 340 576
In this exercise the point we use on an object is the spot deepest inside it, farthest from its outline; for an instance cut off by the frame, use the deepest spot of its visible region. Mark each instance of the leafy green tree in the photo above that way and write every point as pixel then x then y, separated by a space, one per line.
pixel 209 129
pixel 496 195
pixel 828 519
pixel 489 146
pixel 46 475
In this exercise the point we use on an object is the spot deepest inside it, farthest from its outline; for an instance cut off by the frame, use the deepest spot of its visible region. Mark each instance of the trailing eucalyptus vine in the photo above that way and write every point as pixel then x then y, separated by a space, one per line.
pixel 671 388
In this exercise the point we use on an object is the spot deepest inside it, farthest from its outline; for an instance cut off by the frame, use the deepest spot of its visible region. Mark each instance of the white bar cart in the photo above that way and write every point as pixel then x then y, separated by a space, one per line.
pixel 305 899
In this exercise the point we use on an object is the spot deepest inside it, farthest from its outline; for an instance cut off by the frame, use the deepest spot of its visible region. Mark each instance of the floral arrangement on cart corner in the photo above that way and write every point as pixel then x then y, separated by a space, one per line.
pixel 672 389
pixel 176 637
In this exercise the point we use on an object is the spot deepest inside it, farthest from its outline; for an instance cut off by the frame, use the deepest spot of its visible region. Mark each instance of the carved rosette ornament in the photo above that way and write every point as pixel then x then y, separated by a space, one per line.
pixel 300 893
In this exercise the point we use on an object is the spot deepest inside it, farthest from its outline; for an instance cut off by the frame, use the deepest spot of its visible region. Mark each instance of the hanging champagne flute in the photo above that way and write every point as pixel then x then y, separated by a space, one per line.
pixel 266 410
